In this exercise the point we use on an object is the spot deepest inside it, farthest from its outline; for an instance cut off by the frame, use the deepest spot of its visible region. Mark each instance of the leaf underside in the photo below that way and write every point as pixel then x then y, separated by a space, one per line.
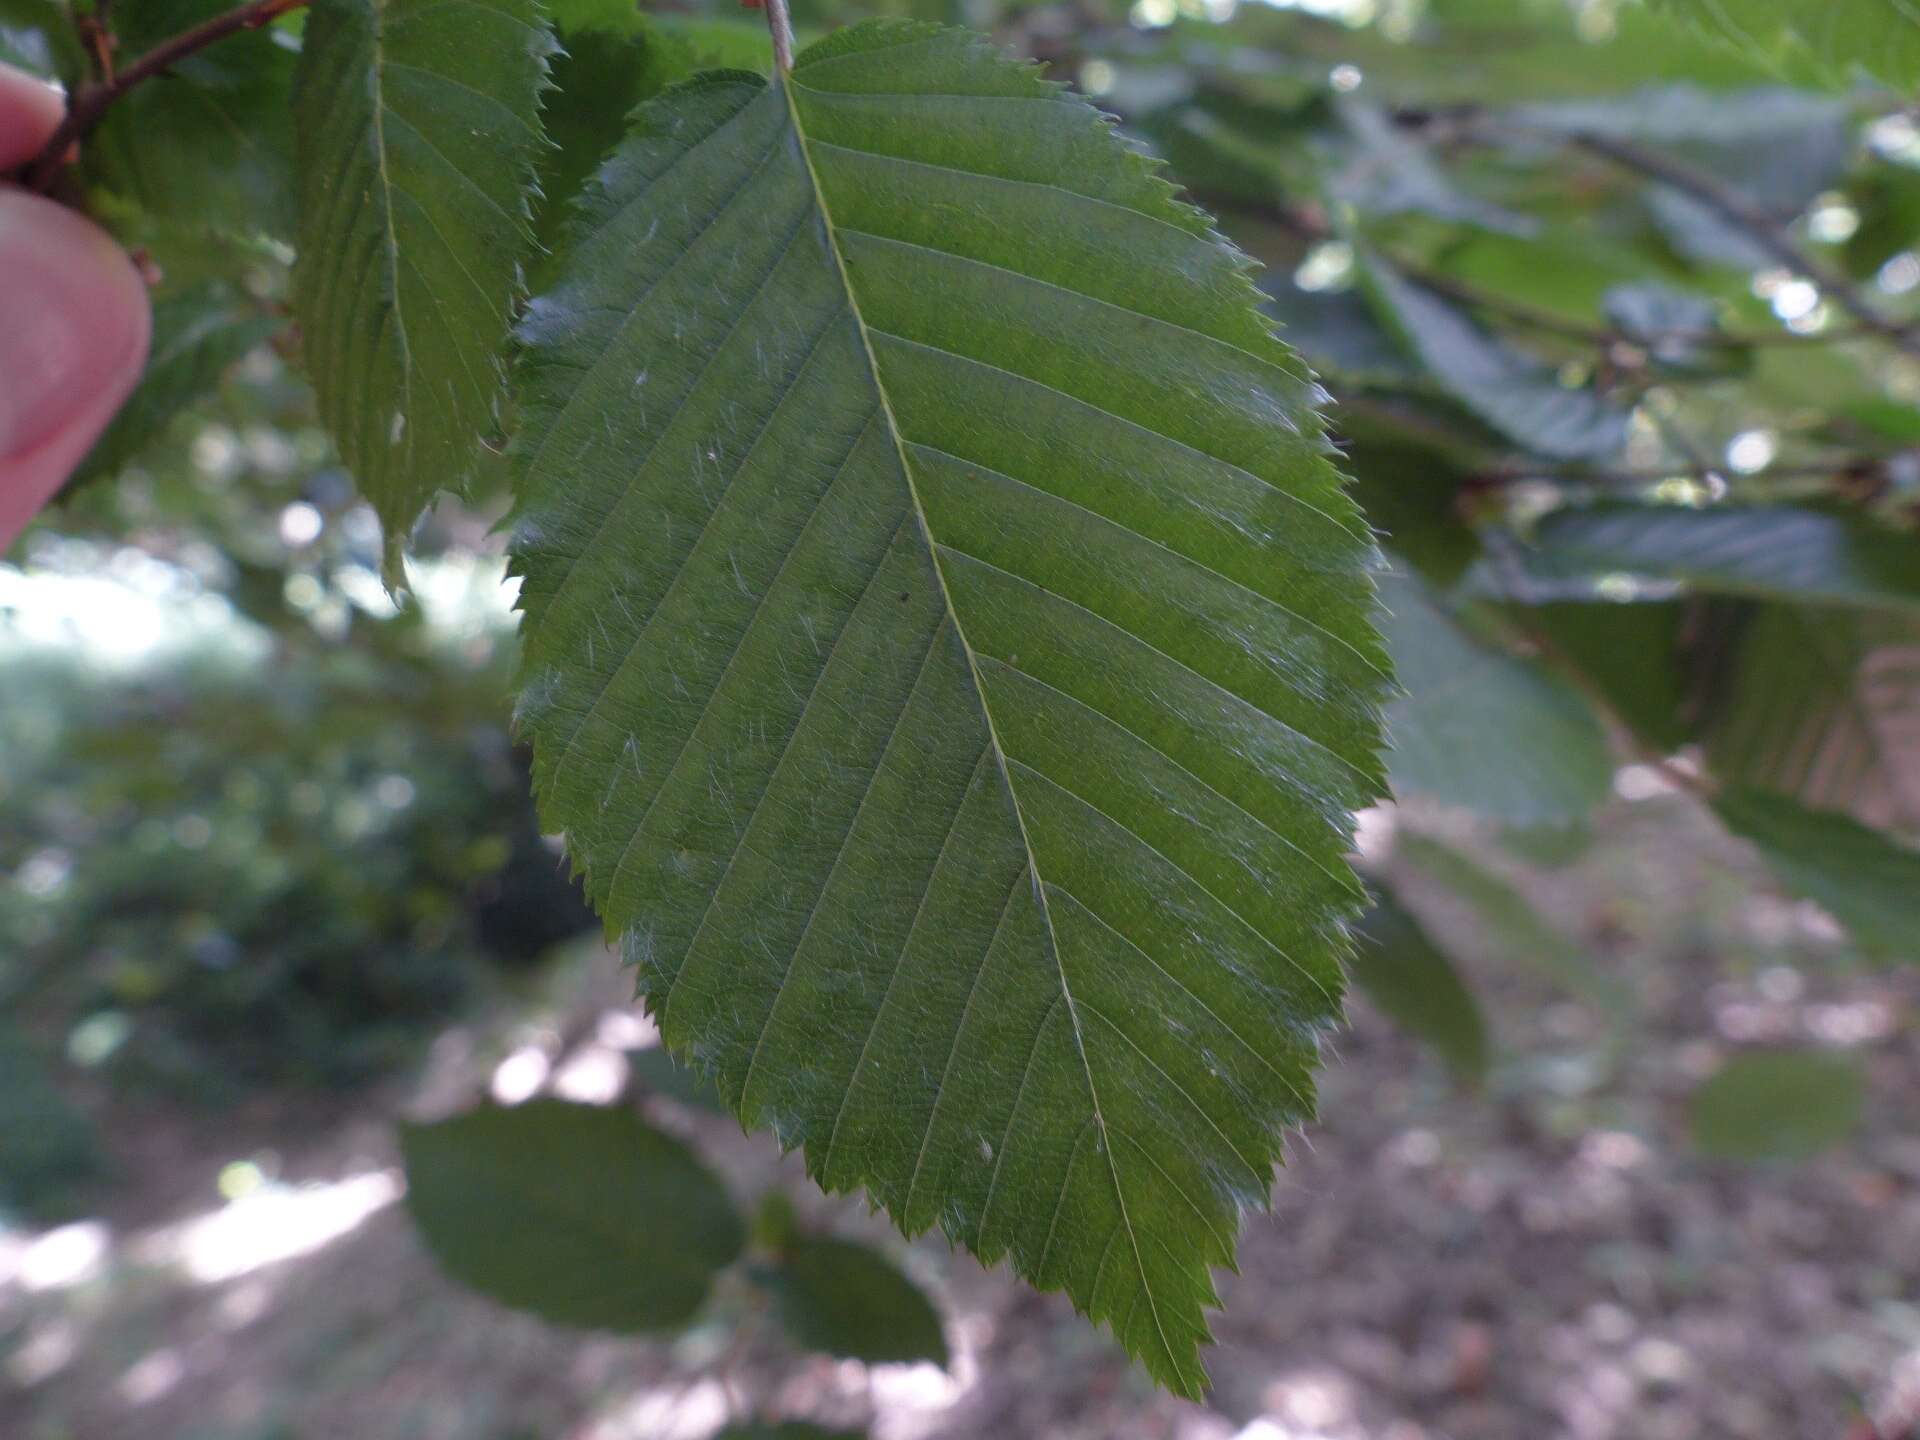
pixel 947 652
pixel 418 127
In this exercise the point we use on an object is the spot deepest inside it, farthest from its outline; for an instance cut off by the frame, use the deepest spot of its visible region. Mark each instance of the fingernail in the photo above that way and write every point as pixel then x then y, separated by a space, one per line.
pixel 73 319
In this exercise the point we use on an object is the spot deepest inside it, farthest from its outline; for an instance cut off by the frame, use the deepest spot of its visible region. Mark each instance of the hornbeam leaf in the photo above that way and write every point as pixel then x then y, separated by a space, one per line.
pixel 947 651
pixel 1823 37
pixel 1822 704
pixel 1818 556
pixel 1482 726
pixel 1868 881
pixel 1414 982
pixel 581 1214
pixel 1517 395
pixel 418 126
pixel 1784 1104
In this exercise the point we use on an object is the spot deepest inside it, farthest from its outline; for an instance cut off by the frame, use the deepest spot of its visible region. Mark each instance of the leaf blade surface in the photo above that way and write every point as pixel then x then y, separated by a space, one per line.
pixel 948 654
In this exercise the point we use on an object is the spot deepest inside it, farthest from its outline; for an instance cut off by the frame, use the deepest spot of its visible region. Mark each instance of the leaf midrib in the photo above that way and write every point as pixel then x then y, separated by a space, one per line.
pixel 787 84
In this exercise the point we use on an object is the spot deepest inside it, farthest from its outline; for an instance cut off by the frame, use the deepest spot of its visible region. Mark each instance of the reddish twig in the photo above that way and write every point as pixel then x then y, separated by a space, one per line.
pixel 91 102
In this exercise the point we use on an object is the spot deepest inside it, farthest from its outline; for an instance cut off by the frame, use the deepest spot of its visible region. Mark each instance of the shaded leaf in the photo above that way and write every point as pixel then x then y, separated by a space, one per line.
pixel 1764 551
pixel 1412 981
pixel 1517 395
pixel 1632 655
pixel 197 337
pixel 1386 171
pixel 1822 705
pixel 208 144
pixel 582 1214
pixel 851 1302
pixel 947 651
pixel 786 1430
pixel 1481 726
pixel 418 126
pixel 1777 1105
pixel 1680 331
pixel 1867 881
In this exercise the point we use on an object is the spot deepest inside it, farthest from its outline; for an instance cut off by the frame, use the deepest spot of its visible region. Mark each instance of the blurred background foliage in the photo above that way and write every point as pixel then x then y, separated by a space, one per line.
pixel 1618 309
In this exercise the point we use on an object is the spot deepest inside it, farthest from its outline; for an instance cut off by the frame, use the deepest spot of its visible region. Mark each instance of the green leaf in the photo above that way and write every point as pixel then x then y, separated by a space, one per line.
pixel 1828 37
pixel 1763 551
pixel 1411 980
pixel 1823 705
pixel 1517 395
pixel 581 1214
pixel 209 143
pixel 787 1430
pixel 419 128
pixel 851 1302
pixel 1777 1105
pixel 1481 726
pixel 1864 879
pixel 947 651
pixel 197 337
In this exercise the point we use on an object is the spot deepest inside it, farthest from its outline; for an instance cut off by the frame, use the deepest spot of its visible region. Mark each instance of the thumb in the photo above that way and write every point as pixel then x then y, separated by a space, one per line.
pixel 74 327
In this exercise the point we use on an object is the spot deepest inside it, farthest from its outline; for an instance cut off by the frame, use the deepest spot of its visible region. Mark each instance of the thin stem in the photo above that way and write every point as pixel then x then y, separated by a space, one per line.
pixel 90 104
pixel 780 23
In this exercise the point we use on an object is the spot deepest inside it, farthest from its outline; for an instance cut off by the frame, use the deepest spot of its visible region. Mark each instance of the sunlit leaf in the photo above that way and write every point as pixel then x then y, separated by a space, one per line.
pixel 947 651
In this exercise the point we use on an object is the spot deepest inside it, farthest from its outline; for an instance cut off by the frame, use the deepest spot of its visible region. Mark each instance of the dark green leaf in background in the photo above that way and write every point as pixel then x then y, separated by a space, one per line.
pixel 1867 881
pixel 1517 395
pixel 947 651
pixel 1412 981
pixel 850 1301
pixel 1480 726
pixel 1777 1105
pixel 1764 551
pixel 419 129
pixel 582 1214
pixel 786 1430
pixel 1822 704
